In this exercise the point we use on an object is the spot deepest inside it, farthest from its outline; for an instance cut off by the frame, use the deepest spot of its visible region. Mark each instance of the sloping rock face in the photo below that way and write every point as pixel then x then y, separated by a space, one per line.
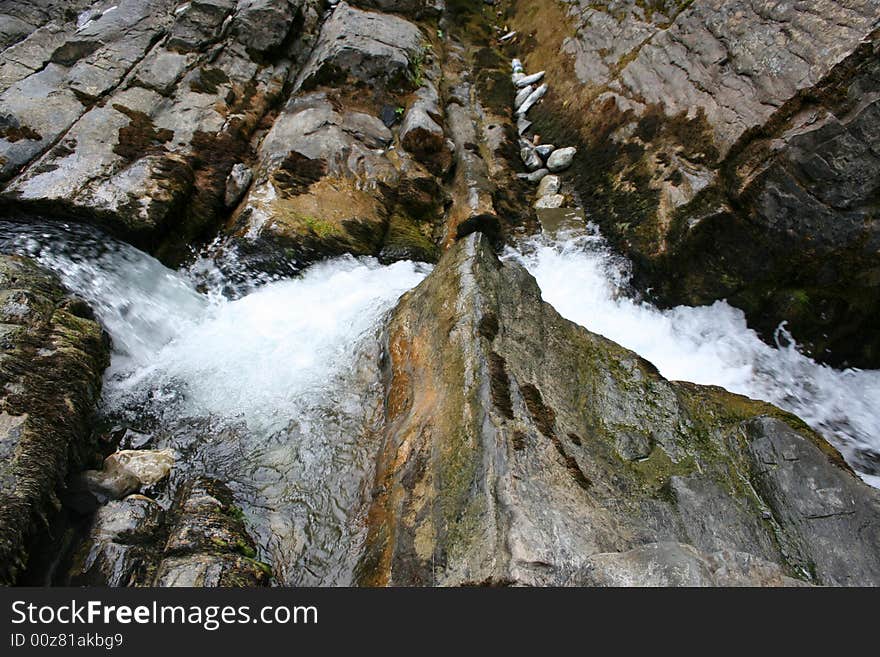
pixel 134 115
pixel 53 355
pixel 329 178
pixel 523 449
pixel 730 148
pixel 298 129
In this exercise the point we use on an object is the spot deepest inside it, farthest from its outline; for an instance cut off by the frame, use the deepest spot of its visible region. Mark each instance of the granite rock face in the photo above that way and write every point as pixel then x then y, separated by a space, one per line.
pixel 370 47
pixel 53 355
pixel 523 449
pixel 135 118
pixel 328 177
pixel 728 148
pixel 302 129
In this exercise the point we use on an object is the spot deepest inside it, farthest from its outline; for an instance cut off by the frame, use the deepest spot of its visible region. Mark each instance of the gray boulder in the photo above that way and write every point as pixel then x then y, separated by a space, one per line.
pixel 365 46
pixel 544 150
pixel 421 132
pixel 530 157
pixel 208 544
pixel 522 464
pixel 263 25
pixel 549 185
pixel 200 541
pixel 199 24
pixel 118 550
pixel 561 159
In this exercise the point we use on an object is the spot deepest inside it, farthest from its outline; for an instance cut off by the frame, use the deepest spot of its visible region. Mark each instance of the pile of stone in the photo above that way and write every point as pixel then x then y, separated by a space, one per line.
pixel 541 160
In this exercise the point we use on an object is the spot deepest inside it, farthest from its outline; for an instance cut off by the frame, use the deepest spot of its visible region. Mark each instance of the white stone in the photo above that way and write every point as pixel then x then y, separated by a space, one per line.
pixel 549 186
pixel 550 202
pixel 530 79
pixel 533 98
pixel 146 465
pixel 561 159
pixel 522 95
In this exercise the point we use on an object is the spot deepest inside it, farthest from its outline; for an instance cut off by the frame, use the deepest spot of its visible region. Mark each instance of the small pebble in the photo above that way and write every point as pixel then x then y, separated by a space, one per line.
pixel 530 157
pixel 534 176
pixel 544 150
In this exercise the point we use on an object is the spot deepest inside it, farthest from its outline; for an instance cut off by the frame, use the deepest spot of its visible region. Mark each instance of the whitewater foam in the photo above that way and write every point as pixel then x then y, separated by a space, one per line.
pixel 580 276
pixel 276 392
pixel 208 355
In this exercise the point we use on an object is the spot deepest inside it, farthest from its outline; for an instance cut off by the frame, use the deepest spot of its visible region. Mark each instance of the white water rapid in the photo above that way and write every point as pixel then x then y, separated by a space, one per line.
pixel 275 393
pixel 588 284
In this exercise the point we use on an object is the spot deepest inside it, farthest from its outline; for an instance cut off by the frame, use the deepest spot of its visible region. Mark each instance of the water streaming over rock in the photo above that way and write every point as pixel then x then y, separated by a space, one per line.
pixel 712 345
pixel 275 391
pixel 273 384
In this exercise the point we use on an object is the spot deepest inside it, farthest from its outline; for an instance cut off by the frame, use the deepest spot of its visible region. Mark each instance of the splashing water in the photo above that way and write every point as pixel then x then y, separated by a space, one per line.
pixel 275 392
pixel 587 284
pixel 241 358
pixel 271 384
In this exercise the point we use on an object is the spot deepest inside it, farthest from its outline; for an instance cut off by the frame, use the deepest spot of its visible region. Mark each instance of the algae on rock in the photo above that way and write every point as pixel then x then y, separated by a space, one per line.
pixel 522 449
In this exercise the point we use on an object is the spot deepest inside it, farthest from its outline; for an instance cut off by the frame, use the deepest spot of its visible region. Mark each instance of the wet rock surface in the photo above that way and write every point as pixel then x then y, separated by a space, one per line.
pixel 306 130
pixel 729 147
pixel 128 471
pixel 531 451
pixel 53 355
pixel 138 122
pixel 120 545
pixel 712 138
pixel 200 540
pixel 208 544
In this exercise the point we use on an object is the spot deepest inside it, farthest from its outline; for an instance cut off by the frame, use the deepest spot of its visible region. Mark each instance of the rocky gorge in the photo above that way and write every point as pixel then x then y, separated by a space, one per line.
pixel 426 293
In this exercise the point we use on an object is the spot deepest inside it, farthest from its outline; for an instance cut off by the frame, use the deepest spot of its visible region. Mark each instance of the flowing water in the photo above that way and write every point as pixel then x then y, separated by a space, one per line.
pixel 589 285
pixel 274 391
pixel 273 384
